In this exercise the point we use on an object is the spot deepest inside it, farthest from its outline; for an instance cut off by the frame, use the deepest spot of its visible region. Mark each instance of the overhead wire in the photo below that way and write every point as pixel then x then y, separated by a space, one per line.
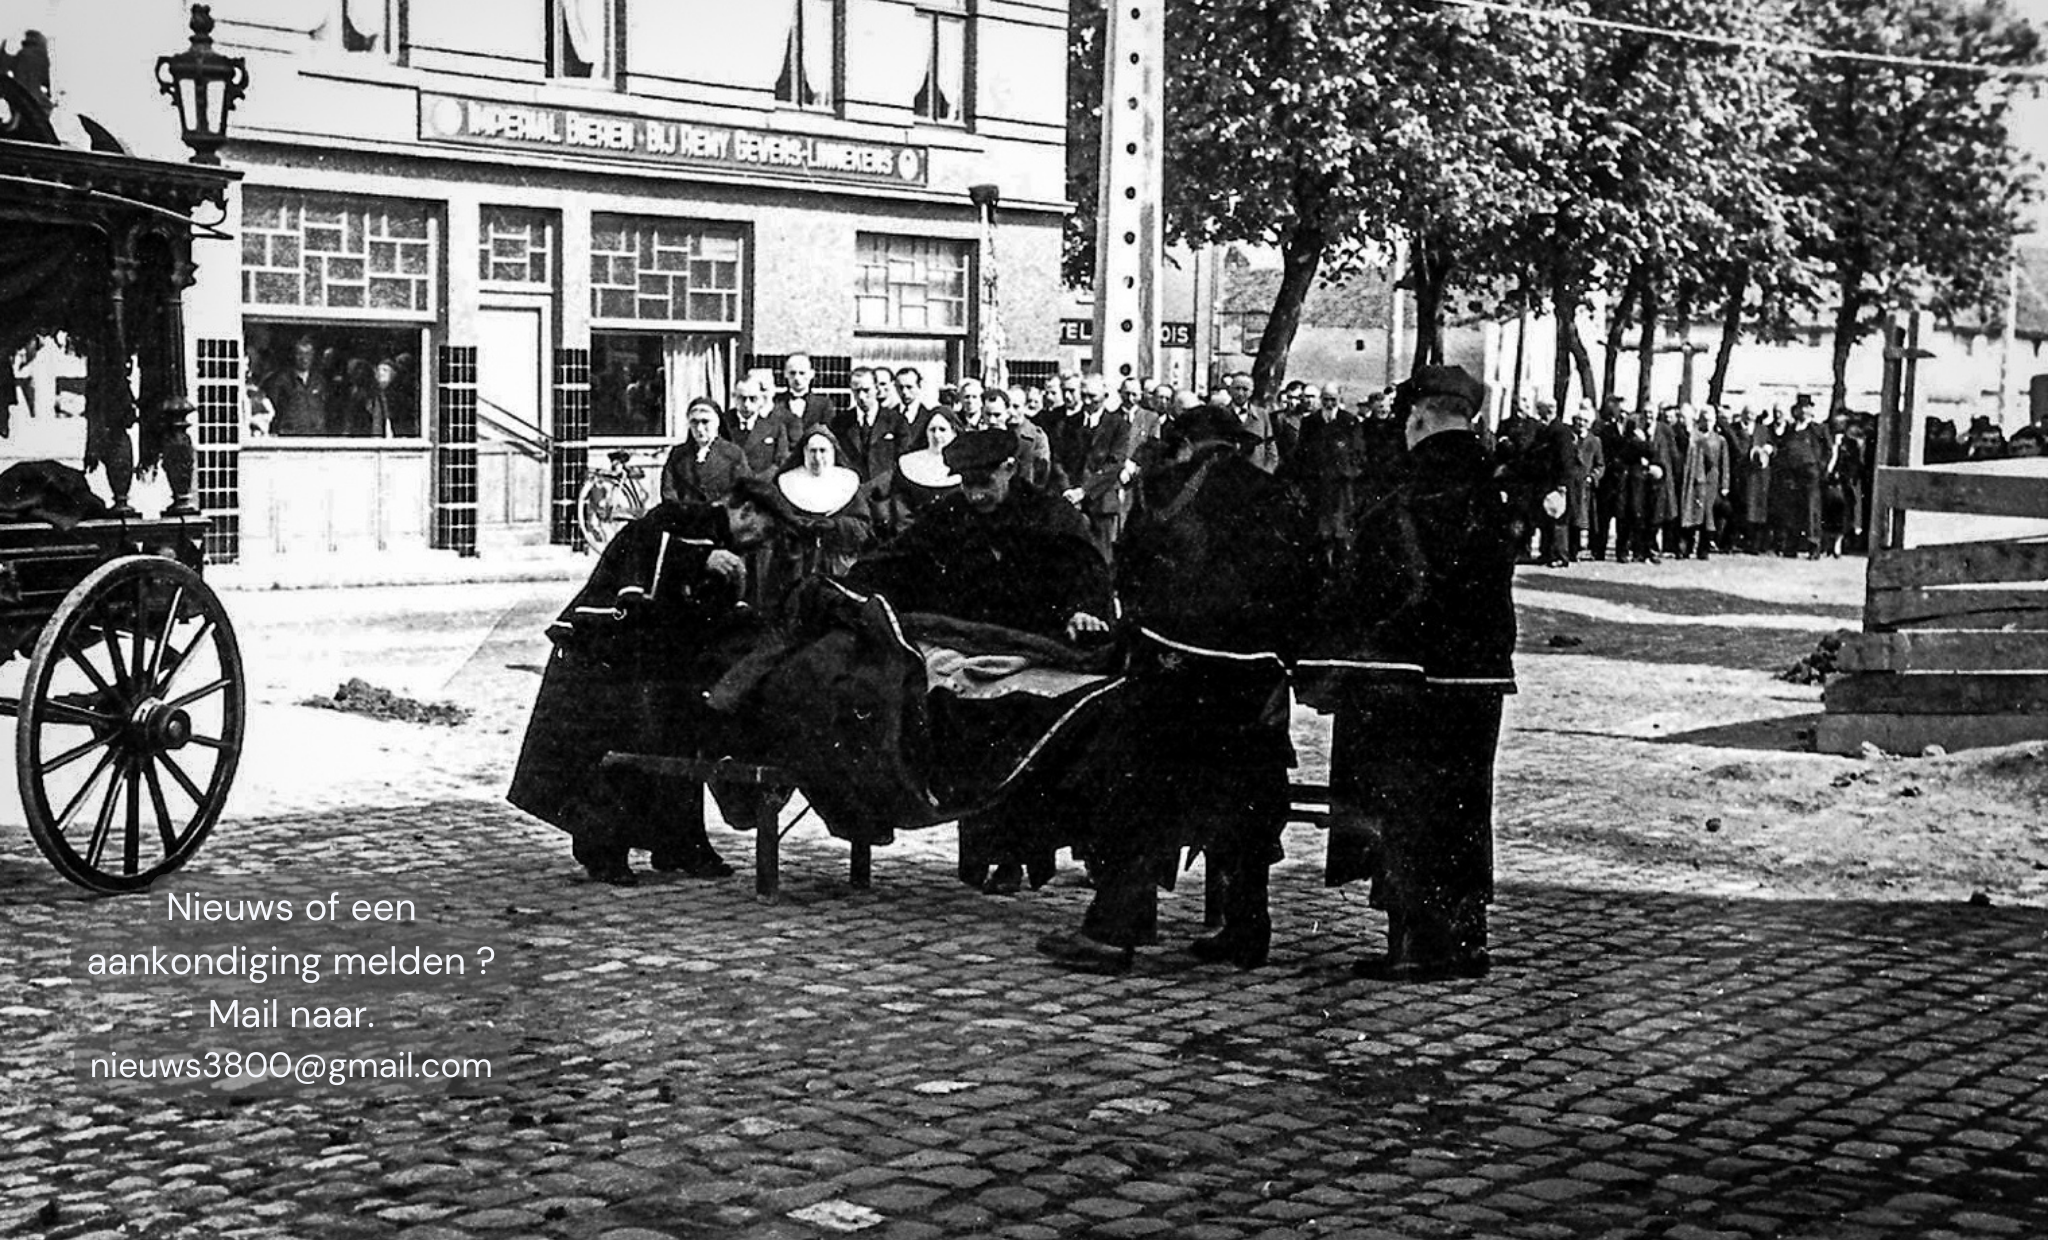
pixel 1776 46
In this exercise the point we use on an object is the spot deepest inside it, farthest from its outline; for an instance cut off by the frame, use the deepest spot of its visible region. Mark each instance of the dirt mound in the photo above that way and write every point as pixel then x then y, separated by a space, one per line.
pixel 360 697
pixel 1814 668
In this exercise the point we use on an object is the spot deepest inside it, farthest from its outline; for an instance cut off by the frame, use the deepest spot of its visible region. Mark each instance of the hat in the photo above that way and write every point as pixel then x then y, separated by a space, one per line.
pixel 1443 381
pixel 1209 424
pixel 762 494
pixel 981 451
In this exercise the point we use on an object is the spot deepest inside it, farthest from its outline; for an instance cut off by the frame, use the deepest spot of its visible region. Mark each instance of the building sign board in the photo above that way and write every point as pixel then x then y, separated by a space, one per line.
pixel 647 139
pixel 1172 335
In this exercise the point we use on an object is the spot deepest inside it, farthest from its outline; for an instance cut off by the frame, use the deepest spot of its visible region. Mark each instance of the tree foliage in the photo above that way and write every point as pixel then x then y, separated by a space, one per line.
pixel 1525 164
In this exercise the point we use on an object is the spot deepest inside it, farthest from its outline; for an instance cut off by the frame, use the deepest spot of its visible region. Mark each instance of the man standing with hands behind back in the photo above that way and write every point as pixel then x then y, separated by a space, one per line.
pixel 1431 585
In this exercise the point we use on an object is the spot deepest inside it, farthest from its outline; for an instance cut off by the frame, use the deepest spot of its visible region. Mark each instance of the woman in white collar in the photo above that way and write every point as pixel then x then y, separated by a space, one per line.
pixel 923 477
pixel 835 521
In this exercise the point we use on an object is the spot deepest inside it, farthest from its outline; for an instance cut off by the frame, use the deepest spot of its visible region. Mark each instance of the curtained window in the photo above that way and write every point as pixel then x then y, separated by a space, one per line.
pixel 810 65
pixel 640 382
pixel 580 39
pixel 942 94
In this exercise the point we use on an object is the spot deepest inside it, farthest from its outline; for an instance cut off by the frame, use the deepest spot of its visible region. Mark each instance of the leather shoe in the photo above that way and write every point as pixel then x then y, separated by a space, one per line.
pixel 701 862
pixel 1006 879
pixel 1225 946
pixel 1077 952
pixel 617 875
pixel 1466 967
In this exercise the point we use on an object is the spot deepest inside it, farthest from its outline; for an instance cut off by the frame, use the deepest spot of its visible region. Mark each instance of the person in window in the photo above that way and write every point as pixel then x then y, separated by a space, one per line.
pixel 380 410
pixel 809 408
pixel 646 400
pixel 703 468
pixel 835 520
pixel 361 410
pixel 298 393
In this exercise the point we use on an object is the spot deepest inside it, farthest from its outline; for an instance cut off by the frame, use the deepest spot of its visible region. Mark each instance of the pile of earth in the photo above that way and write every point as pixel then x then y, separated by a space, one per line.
pixel 359 697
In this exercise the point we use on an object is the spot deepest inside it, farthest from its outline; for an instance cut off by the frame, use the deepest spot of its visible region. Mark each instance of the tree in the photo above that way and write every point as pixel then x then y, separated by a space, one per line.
pixel 1086 26
pixel 1910 170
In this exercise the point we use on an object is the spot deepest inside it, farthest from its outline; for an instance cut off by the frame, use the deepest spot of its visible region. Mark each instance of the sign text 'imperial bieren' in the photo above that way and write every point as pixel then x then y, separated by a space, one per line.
pixel 483 122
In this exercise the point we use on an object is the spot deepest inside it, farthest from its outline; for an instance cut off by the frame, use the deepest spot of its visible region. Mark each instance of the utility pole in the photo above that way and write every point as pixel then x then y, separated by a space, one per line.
pixel 1127 238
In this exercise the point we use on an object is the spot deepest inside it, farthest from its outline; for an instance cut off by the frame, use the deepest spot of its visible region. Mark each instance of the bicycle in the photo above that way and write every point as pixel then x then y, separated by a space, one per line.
pixel 610 498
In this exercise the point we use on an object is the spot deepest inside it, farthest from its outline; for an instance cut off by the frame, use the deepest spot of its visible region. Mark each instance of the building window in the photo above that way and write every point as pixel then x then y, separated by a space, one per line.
pixel 334 380
pixel 942 98
pixel 640 382
pixel 515 247
pixel 580 40
pixel 663 271
pixel 910 284
pixel 319 253
pixel 810 65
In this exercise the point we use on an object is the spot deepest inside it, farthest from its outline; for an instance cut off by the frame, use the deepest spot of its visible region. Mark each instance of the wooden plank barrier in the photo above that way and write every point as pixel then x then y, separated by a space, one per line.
pixel 1954 648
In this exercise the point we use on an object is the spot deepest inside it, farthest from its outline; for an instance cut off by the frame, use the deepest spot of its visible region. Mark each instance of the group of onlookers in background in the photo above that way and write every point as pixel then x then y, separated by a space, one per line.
pixel 1984 442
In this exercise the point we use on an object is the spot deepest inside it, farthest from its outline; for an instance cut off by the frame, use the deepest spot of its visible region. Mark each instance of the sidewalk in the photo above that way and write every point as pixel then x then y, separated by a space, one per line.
pixel 399 568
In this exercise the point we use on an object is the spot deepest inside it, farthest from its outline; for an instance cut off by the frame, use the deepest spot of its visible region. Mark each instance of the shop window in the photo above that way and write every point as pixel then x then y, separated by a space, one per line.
pixel 580 40
pixel 314 252
pixel 516 247
pixel 641 381
pixel 910 284
pixel 334 380
pixel 942 96
pixel 663 271
pixel 810 65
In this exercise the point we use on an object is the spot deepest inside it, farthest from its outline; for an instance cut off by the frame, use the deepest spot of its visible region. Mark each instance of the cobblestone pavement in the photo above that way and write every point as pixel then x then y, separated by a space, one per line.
pixel 1676 1042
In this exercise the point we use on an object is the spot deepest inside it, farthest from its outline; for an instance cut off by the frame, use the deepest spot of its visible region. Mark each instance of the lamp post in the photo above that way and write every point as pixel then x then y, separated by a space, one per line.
pixel 205 85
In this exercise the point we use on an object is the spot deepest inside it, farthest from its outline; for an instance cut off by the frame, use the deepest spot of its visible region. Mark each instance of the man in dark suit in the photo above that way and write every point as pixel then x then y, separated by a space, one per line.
pixel 765 435
pixel 873 436
pixel 1098 462
pixel 809 408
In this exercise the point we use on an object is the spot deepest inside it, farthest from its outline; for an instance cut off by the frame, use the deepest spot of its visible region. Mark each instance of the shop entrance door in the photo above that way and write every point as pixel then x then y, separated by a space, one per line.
pixel 512 434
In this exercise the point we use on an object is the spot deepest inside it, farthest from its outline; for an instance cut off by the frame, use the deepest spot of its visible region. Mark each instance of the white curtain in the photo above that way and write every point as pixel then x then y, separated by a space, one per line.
pixel 887 52
pixel 819 47
pixel 952 76
pixel 367 16
pixel 698 365
pixel 589 33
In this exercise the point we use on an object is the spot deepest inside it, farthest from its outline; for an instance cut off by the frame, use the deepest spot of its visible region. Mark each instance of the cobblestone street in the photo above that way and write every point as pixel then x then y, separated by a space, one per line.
pixel 1740 990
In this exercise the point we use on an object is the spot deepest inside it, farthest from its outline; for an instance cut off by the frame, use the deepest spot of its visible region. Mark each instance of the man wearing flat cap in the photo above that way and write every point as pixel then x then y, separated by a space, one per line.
pixel 1426 601
pixel 998 551
pixel 660 620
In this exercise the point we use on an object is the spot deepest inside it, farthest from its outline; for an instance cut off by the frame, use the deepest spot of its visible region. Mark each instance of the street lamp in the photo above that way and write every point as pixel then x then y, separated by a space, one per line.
pixel 205 85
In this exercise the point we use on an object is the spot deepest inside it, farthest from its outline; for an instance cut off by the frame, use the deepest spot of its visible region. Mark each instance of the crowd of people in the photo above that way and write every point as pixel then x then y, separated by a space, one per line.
pixel 1209 546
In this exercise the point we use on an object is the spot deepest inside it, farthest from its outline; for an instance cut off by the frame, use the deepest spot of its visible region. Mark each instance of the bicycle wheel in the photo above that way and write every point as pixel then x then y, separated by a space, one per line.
pixel 606 504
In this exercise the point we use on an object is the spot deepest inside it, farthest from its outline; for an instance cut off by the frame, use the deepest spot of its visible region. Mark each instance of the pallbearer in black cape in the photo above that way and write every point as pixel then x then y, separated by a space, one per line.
pixel 1015 570
pixel 661 619
pixel 1429 585
pixel 1215 575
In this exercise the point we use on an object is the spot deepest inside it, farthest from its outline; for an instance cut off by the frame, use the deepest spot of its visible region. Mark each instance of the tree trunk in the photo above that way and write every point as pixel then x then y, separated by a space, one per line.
pixel 1580 360
pixel 1300 255
pixel 1851 283
pixel 1432 274
pixel 1681 319
pixel 1563 304
pixel 1646 349
pixel 1617 326
pixel 1731 331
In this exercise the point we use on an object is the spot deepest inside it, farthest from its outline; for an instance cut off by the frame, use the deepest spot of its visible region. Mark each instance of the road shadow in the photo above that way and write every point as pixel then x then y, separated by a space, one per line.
pixel 1729 646
pixel 1780 734
pixel 1683 600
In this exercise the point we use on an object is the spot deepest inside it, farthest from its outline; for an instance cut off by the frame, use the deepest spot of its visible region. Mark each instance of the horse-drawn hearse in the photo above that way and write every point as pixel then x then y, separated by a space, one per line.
pixel 129 707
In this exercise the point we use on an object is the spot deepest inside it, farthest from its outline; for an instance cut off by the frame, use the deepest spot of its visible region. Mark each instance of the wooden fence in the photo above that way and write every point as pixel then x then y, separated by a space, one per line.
pixel 1954 648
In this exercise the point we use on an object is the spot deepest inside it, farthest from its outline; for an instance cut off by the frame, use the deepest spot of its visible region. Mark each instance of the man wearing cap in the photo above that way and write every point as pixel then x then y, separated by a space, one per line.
pixel 1213 574
pixel 999 551
pixel 1429 587
pixel 659 621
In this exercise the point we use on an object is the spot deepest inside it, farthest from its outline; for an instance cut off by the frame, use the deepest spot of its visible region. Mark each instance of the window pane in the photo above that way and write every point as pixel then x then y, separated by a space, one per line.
pixel 665 271
pixel 346 380
pixel 910 283
pixel 951 73
pixel 628 385
pixel 312 251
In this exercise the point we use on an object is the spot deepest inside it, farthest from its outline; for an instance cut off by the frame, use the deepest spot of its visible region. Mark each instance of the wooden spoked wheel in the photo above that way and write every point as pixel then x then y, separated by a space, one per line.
pixel 130 724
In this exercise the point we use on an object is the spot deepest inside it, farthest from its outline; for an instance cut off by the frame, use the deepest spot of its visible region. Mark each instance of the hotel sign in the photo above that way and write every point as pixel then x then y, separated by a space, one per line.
pixel 646 139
